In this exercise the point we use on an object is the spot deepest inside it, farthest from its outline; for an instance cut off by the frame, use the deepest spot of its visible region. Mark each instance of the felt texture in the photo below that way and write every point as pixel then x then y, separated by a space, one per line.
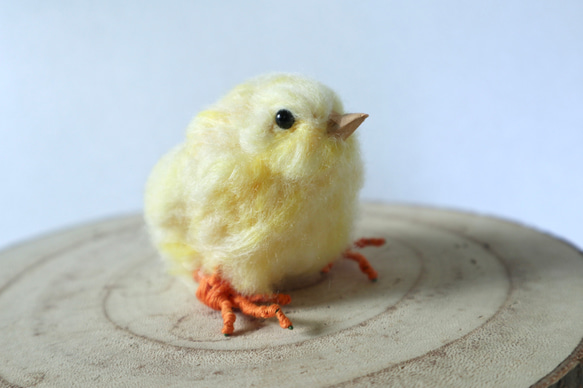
pixel 250 201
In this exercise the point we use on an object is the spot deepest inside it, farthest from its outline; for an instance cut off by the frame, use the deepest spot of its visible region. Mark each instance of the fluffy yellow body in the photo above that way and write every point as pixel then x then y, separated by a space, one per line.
pixel 254 202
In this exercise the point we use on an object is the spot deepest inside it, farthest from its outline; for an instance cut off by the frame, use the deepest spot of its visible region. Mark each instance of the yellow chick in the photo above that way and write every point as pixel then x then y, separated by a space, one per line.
pixel 264 189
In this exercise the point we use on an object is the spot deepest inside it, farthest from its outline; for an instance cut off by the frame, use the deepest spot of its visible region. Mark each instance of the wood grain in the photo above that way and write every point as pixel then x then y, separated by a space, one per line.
pixel 462 300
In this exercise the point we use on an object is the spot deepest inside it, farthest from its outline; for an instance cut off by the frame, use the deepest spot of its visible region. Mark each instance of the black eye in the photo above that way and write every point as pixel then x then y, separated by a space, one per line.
pixel 284 119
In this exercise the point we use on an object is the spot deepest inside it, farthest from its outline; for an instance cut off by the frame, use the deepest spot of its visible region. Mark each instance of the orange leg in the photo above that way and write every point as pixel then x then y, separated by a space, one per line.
pixel 270 311
pixel 327 268
pixel 228 317
pixel 218 294
pixel 359 258
pixel 362 263
pixel 365 242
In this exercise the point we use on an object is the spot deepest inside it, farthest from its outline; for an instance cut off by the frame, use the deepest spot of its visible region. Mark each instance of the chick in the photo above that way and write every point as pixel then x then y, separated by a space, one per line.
pixel 264 189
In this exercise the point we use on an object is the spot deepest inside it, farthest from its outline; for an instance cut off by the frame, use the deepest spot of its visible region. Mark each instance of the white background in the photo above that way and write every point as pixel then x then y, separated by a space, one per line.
pixel 473 105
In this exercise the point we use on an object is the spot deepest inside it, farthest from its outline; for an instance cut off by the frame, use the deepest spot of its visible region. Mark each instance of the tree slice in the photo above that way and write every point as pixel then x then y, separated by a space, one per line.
pixel 462 300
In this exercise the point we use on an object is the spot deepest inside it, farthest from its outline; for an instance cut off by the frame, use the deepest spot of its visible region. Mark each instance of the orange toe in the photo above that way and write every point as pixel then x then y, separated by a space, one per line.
pixel 284 321
pixel 365 242
pixel 218 294
pixel 327 268
pixel 362 263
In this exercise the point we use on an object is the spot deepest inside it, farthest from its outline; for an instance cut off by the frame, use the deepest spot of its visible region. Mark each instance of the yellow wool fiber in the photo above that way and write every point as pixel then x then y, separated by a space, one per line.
pixel 250 200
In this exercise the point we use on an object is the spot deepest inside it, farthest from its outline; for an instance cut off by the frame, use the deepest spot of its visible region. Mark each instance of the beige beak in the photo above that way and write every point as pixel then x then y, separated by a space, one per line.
pixel 344 125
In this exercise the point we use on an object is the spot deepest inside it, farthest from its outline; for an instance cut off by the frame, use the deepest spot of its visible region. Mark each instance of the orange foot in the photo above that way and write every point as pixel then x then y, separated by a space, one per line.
pixel 359 258
pixel 218 294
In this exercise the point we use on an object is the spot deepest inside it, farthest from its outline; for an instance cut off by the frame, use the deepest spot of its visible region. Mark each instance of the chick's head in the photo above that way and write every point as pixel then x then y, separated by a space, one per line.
pixel 292 125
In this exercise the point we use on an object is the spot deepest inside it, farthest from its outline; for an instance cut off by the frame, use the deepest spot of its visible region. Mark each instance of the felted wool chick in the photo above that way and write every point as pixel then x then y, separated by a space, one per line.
pixel 264 189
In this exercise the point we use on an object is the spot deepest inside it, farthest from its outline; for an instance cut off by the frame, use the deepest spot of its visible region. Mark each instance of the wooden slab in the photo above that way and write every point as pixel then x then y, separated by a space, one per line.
pixel 462 300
